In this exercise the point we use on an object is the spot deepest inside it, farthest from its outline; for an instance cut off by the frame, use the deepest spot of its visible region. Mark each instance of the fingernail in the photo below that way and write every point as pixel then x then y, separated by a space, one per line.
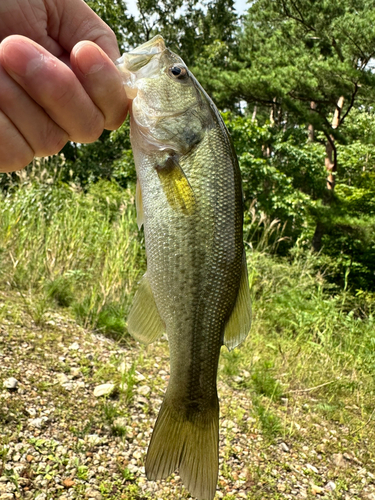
pixel 22 58
pixel 89 61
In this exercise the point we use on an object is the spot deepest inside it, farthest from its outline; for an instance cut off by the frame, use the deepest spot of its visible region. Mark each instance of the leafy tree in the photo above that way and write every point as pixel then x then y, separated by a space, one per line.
pixel 307 61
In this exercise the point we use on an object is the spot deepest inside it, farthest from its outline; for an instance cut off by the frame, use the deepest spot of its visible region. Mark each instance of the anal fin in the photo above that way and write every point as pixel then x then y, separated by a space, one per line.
pixel 239 322
pixel 144 321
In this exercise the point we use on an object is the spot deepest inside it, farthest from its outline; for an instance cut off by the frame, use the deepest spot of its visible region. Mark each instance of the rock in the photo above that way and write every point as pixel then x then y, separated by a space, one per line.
pixel 74 347
pixel 10 383
pixel 31 412
pixel 338 460
pixel 38 423
pixel 6 496
pixel 316 490
pixel 120 422
pixel 228 424
pixel 103 390
pixel 75 372
pixel 133 468
pixel 23 481
pixel 144 390
pixel 69 386
pixel 68 482
pixel 284 447
pixel 61 378
pixel 29 458
pixel 91 493
pixel 312 468
pixel 96 440
pixel 303 493
pixel 41 496
pixel 330 486
pixel 141 400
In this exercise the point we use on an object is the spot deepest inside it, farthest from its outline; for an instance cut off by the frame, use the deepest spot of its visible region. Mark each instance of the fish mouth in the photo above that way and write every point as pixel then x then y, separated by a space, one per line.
pixel 139 57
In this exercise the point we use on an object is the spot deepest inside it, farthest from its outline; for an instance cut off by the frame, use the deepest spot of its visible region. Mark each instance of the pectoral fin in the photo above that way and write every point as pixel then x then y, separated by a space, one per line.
pixel 144 321
pixel 238 325
pixel 176 186
pixel 139 205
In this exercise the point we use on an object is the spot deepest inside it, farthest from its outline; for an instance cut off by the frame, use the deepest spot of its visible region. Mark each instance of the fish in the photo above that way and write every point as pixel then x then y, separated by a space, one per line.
pixel 195 289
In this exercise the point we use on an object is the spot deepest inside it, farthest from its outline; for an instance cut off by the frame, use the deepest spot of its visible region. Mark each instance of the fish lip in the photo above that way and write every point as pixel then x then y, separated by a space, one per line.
pixel 139 57
pixel 151 47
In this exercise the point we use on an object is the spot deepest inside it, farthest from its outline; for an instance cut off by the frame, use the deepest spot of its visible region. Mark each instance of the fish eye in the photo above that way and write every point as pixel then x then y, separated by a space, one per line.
pixel 179 72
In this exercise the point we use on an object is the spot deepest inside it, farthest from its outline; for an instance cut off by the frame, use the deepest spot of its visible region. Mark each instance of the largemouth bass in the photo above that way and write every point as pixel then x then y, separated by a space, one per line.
pixel 189 198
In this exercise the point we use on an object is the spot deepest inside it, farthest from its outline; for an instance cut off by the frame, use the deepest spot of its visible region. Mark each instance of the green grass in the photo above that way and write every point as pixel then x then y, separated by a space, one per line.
pixel 61 247
pixel 308 339
pixel 306 369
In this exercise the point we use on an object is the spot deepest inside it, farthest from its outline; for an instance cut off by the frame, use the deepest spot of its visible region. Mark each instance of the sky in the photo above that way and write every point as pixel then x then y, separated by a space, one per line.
pixel 240 6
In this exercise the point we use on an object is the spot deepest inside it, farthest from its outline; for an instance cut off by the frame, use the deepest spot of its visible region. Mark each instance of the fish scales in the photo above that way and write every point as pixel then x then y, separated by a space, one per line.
pixel 195 287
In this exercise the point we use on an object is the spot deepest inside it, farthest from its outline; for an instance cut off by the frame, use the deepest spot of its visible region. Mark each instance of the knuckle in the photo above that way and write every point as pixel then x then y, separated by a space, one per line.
pixel 15 159
pixel 64 93
pixel 91 130
pixel 51 140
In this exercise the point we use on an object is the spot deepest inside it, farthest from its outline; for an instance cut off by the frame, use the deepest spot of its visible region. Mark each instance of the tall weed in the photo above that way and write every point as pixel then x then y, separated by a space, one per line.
pixel 79 249
pixel 315 337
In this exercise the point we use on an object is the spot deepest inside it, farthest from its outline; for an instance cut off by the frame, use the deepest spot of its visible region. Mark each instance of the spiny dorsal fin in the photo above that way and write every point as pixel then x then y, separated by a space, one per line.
pixel 176 186
pixel 144 321
pixel 238 325
pixel 139 205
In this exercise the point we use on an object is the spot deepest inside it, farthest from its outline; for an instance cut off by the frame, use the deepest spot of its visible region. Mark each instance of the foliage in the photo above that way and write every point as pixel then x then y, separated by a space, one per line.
pixel 81 250
pixel 265 73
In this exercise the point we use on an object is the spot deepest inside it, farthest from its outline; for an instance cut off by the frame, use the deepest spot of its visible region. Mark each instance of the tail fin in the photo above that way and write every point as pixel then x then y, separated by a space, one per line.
pixel 190 444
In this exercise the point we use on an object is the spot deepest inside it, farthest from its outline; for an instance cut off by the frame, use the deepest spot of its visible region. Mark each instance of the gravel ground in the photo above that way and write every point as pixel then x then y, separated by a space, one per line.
pixel 63 435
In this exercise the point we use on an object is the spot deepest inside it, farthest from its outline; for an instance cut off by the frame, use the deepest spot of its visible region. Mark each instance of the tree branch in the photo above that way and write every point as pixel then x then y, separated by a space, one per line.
pixel 351 104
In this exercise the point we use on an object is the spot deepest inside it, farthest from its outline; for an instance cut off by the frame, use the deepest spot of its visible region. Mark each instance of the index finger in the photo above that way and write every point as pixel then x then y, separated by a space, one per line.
pixel 54 86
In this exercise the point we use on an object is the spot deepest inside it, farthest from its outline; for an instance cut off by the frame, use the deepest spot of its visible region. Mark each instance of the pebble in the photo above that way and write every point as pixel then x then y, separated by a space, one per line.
pixel 284 447
pixel 330 486
pixel 38 423
pixel 315 489
pixel 103 390
pixel 61 378
pixel 92 493
pixel 75 372
pixel 139 377
pixel 120 422
pixel 105 454
pixel 68 482
pixel 338 460
pixel 10 383
pixel 74 347
pixel 312 468
pixel 144 390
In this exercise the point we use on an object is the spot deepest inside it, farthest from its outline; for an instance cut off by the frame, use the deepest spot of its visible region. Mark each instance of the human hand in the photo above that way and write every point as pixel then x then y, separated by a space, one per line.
pixel 57 79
